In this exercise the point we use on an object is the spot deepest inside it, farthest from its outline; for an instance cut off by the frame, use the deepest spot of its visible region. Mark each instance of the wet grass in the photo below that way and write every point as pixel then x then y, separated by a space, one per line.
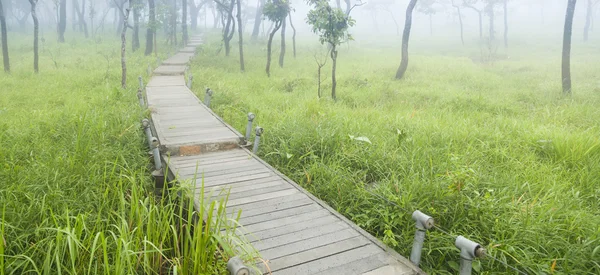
pixel 491 150
pixel 76 193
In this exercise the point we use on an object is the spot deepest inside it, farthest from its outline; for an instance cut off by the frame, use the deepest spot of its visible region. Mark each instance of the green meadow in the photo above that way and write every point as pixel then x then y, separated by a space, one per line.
pixel 489 147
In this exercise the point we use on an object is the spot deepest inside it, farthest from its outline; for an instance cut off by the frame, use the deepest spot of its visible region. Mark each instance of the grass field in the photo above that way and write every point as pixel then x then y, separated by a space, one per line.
pixel 76 193
pixel 492 151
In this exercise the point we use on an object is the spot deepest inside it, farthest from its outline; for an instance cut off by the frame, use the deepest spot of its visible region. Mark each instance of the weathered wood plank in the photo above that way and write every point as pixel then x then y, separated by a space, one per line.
pixel 324 257
pixel 286 221
pixel 291 228
pixel 169 70
pixel 245 221
pixel 306 239
pixel 158 80
pixel 361 266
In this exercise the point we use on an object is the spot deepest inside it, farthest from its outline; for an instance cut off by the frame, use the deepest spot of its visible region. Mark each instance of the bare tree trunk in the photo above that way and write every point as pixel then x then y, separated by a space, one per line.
pixel 36 31
pixel 258 19
pixel 62 21
pixel 491 15
pixel 460 22
pixel 294 34
pixel 123 50
pixel 338 4
pixel 588 20
pixel 348 6
pixel 240 34
pixel 505 23
pixel 480 17
pixel 174 22
pixel 151 26
pixel 282 51
pixel 194 14
pixel 395 22
pixel 333 69
pixel 269 44
pixel 81 16
pixel 135 39
pixel 229 29
pixel 405 39
pixel 566 53
pixel 184 29
pixel 5 57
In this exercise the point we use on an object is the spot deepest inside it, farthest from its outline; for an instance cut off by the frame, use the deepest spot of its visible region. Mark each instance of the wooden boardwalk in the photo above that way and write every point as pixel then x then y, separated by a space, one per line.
pixel 296 232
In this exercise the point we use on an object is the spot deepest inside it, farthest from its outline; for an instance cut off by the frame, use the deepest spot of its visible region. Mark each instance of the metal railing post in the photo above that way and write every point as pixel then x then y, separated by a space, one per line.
pixel 141 98
pixel 207 97
pixel 251 117
pixel 235 266
pixel 190 79
pixel 422 223
pixel 258 132
pixel 141 81
pixel 146 125
pixel 156 154
pixel 469 250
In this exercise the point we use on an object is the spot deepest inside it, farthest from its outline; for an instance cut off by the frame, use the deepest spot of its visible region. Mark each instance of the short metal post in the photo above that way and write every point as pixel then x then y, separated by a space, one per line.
pixel 141 98
pixel 156 154
pixel 258 132
pixel 422 223
pixel 207 97
pixel 146 125
pixel 190 79
pixel 235 266
pixel 469 250
pixel 141 81
pixel 251 117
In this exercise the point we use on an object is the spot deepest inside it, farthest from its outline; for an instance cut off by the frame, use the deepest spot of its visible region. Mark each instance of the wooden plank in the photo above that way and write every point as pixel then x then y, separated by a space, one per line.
pixel 234 177
pixel 265 190
pixel 169 70
pixel 156 81
pixel 273 208
pixel 291 228
pixel 392 269
pixel 245 221
pixel 264 197
pixel 211 156
pixel 303 240
pixel 324 257
pixel 361 266
pixel 263 206
pixel 286 221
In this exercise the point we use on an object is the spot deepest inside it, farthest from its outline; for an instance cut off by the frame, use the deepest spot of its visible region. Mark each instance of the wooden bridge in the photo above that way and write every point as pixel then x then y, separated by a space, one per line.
pixel 293 230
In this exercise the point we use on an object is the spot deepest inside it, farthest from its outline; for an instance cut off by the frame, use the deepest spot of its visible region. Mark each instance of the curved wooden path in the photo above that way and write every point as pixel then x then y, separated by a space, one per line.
pixel 296 232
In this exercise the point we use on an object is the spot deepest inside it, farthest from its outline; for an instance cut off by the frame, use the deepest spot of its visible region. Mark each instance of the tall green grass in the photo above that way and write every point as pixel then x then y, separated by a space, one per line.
pixel 491 151
pixel 76 191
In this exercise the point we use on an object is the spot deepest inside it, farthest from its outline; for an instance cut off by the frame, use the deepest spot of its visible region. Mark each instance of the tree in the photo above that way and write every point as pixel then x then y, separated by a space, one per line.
pixel 240 33
pixel 505 8
pixel 5 57
pixel 275 11
pixel 282 51
pixel 470 4
pixel 405 39
pixel 588 19
pixel 81 16
pixel 62 21
pixel 184 29
pixel 136 6
pixel 123 45
pixel 490 11
pixel 332 27
pixel 226 9
pixel 426 7
pixel 257 18
pixel 151 28
pixel 566 53
pixel 460 22
pixel 293 33
pixel 36 31
pixel 194 12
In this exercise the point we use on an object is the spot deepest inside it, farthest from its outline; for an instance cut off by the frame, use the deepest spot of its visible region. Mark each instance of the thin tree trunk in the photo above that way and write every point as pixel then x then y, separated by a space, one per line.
pixel 240 33
pixel 395 22
pixel 5 57
pixel 123 50
pixel 62 21
pixel 282 51
pixel 505 23
pixel 460 22
pixel 348 6
pixel 293 34
pixel 269 44
pixel 36 31
pixel 405 39
pixel 151 27
pixel 491 15
pixel 566 54
pixel 81 16
pixel 174 23
pixel 229 29
pixel 184 29
pixel 588 20
pixel 135 39
pixel 480 17
pixel 194 14
pixel 333 69
pixel 258 19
